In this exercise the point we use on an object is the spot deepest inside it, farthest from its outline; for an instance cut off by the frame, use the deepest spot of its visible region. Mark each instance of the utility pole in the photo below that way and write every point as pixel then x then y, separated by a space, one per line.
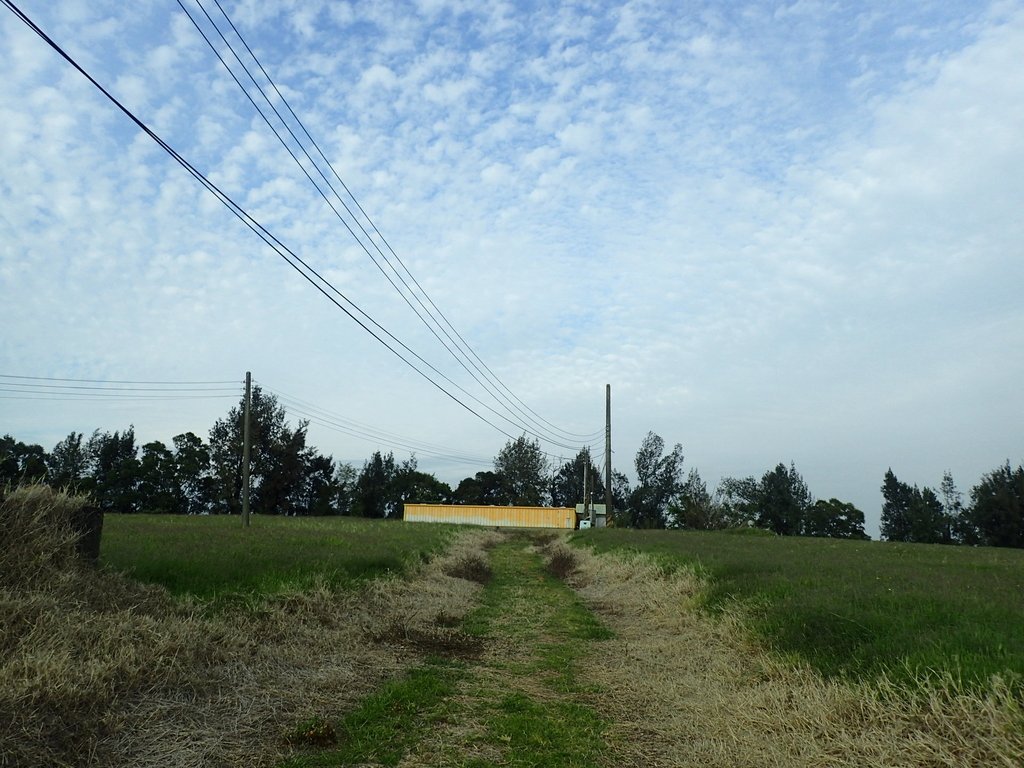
pixel 608 453
pixel 246 448
pixel 588 510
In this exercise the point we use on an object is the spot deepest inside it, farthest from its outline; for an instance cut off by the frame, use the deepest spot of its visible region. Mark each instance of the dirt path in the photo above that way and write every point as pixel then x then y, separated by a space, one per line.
pixel 522 702
pixel 614 666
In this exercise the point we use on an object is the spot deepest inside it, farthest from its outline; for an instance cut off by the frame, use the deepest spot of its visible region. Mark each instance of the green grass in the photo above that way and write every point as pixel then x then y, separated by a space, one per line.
pixel 859 609
pixel 213 556
pixel 388 723
pixel 523 706
pixel 525 602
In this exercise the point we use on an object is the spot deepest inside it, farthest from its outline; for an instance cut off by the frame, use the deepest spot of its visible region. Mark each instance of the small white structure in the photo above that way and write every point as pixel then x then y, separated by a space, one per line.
pixel 600 516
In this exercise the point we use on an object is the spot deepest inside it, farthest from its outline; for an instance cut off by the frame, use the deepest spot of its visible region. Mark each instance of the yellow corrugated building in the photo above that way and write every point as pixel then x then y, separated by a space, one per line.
pixel 502 517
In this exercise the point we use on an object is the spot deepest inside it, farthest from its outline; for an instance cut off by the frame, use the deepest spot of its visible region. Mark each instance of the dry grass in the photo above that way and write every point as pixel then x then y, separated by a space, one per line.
pixel 561 561
pixel 689 690
pixel 473 567
pixel 98 670
pixel 36 537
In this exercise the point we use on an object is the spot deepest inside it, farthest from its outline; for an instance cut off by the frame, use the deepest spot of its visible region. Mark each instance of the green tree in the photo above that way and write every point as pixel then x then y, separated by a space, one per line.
pixel 411 486
pixel 928 522
pixel 738 500
pixel 912 514
pixel 523 472
pixel 114 465
pixel 67 465
pixel 275 461
pixel 621 491
pixel 997 507
pixel 373 487
pixel 317 494
pixel 21 463
pixel 284 480
pixel 835 519
pixel 567 482
pixel 659 482
pixel 344 488
pixel 483 488
pixel 960 527
pixel 898 497
pixel 194 480
pixel 159 489
pixel 782 501
pixel 695 508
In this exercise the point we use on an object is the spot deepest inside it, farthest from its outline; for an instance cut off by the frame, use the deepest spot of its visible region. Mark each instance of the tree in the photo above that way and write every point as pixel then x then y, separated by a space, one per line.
pixel 835 519
pixel 659 481
pixel 523 472
pixel 21 463
pixel 782 501
pixel 567 482
pixel 898 497
pixel 317 494
pixel 373 487
pixel 738 500
pixel 68 463
pixel 275 461
pixel 114 464
pixel 192 464
pixel 283 479
pixel 997 507
pixel 912 514
pixel 411 486
pixel 695 508
pixel 960 527
pixel 621 492
pixel 344 485
pixel 159 489
pixel 483 488
pixel 928 524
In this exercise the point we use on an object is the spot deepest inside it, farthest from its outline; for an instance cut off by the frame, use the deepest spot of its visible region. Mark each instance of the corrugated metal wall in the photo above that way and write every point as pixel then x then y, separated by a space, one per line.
pixel 511 517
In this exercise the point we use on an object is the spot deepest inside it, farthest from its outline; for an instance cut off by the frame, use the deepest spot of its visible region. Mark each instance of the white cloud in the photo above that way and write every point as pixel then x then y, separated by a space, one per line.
pixel 778 238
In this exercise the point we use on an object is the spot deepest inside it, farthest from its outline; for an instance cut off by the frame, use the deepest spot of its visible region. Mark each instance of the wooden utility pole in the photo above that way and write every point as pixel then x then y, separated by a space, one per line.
pixel 246 448
pixel 608 453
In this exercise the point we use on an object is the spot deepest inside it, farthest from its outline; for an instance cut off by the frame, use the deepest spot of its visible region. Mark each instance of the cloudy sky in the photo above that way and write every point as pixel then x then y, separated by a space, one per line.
pixel 780 231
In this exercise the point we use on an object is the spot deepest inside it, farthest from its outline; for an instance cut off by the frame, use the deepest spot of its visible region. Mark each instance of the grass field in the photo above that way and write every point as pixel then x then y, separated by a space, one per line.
pixel 859 609
pixel 209 556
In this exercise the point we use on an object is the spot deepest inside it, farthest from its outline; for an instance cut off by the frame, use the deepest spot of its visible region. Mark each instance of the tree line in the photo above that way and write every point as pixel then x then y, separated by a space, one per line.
pixel 289 477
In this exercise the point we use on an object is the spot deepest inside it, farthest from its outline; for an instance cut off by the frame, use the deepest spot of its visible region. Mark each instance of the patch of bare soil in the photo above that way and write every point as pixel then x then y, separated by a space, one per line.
pixel 683 689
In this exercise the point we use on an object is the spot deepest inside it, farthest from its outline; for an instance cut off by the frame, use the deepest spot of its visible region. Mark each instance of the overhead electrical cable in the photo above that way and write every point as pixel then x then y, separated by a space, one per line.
pixel 365 431
pixel 63 387
pixel 289 256
pixel 442 326
pixel 114 381
pixel 521 411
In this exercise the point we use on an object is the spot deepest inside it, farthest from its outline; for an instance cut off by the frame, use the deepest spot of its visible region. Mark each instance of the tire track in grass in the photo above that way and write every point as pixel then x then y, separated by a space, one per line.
pixel 520 704
pixel 525 700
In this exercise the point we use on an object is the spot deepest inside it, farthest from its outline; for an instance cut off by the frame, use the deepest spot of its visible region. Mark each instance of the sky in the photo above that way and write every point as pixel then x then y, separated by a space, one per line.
pixel 781 231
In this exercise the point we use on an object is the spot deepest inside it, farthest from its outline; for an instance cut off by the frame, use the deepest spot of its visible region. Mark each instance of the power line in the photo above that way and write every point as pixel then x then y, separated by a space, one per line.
pixel 113 381
pixel 290 257
pixel 99 397
pixel 62 387
pixel 518 411
pixel 357 428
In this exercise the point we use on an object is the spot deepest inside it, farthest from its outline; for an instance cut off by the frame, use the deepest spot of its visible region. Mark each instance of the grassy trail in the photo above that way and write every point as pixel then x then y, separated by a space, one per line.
pixel 519 703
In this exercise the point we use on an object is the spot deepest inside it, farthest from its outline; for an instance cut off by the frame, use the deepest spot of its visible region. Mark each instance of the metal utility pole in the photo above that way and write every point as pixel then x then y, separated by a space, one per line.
pixel 608 453
pixel 246 439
